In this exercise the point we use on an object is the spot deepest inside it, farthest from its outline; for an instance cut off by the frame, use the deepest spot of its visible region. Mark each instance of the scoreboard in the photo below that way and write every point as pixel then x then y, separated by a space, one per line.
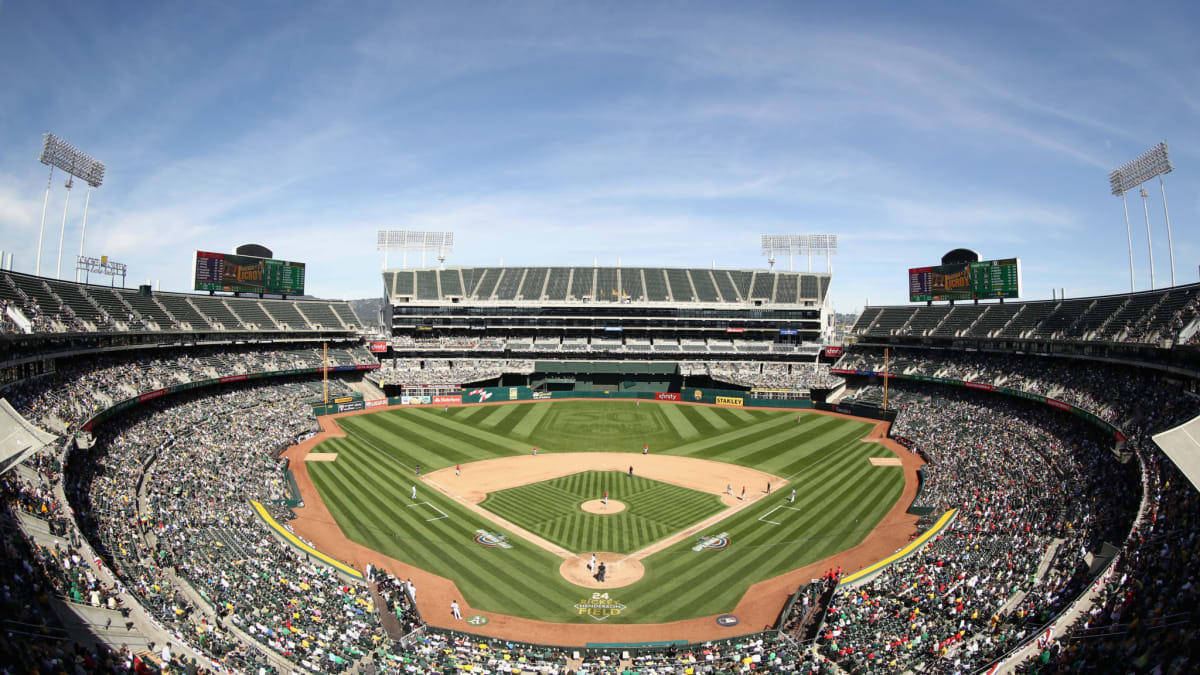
pixel 246 274
pixel 966 281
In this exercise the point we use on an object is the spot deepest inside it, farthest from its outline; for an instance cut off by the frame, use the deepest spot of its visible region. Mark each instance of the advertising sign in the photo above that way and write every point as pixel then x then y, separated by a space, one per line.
pixel 833 352
pixel 666 397
pixel 448 399
pixel 730 400
pixel 379 346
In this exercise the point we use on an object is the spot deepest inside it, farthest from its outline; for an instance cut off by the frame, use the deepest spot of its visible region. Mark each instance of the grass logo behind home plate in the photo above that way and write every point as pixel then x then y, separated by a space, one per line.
pixel 485 538
pixel 599 607
pixel 713 541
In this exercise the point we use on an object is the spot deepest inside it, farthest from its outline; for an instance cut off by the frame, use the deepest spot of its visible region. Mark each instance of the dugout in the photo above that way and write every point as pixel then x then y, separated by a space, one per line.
pixel 617 376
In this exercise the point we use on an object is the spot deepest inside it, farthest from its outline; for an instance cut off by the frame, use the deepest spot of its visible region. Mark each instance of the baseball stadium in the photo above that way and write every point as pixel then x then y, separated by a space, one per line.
pixel 289 410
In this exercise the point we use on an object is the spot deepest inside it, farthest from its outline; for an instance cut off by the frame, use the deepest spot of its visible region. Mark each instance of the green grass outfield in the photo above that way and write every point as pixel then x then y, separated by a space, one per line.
pixel 840 497
pixel 654 510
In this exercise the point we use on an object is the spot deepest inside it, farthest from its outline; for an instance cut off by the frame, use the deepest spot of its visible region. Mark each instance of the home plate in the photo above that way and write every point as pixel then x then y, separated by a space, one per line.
pixel 877 461
pixel 320 457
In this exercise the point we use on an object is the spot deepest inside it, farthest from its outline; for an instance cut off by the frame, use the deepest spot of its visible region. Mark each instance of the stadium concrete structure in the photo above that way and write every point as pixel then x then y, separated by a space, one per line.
pixel 1049 532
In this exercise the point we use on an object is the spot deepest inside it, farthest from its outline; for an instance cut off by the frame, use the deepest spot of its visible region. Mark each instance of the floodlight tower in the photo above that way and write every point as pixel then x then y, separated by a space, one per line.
pixel 405 241
pixel 58 153
pixel 1154 162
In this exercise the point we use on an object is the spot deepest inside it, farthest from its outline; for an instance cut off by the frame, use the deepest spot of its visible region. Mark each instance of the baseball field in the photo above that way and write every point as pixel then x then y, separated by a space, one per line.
pixel 707 511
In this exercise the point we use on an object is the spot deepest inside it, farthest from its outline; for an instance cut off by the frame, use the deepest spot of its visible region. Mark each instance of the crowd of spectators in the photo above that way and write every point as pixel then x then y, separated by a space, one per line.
pixel 1038 492
pixel 797 375
pixel 408 372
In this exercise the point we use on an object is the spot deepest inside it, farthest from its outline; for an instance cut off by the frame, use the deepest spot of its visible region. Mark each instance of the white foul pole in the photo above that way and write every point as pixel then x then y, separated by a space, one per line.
pixel 62 232
pixel 1129 238
pixel 37 268
pixel 86 200
pixel 1170 244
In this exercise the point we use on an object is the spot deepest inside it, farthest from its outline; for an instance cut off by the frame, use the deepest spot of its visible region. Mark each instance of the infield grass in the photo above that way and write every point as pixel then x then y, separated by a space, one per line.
pixel 551 509
pixel 840 498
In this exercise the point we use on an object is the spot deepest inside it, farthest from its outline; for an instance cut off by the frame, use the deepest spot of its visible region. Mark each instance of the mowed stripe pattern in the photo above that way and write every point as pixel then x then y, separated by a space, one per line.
pixel 840 497
pixel 654 510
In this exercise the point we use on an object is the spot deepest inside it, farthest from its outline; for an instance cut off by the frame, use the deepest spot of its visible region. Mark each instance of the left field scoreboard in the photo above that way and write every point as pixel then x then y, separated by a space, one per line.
pixel 246 274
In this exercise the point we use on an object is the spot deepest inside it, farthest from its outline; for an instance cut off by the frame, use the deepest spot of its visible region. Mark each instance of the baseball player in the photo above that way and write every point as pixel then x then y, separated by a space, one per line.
pixel 743 497
pixel 793 499
pixel 535 451
pixel 605 500
pixel 458 469
pixel 592 564
pixel 418 469
pixel 768 488
pixel 454 610
pixel 729 489
pixel 414 494
pixel 631 471
pixel 646 449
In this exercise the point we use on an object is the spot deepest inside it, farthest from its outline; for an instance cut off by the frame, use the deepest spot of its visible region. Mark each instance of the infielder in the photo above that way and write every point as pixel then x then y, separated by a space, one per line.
pixel 458 469
pixel 414 494
pixel 793 495
pixel 454 610
pixel 592 564
pixel 605 501
pixel 645 449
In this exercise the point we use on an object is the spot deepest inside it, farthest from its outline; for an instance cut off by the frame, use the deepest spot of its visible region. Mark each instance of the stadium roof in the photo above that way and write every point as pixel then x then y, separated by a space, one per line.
pixel 1182 445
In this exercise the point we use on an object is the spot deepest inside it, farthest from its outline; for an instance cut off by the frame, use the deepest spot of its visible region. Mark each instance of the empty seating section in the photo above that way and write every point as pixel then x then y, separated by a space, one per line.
pixel 7 292
pixel 703 283
pixel 681 289
pixel 509 282
pixel 725 285
pixel 36 291
pixel 606 284
pixel 960 318
pixel 451 283
pixel 250 313
pixel 285 313
pixel 824 287
pixel 1029 318
pixel 404 283
pixel 389 283
pixel 656 284
pixel 557 284
pixel 1162 315
pixel 866 318
pixel 471 277
pixel 1094 316
pixel 147 307
pixel 785 288
pixel 427 285
pixel 926 319
pixel 179 308
pixel 581 282
pixel 1129 315
pixel 1062 317
pixel 808 287
pixel 890 320
pixel 343 311
pixel 215 309
pixel 742 281
pixel 631 284
pixel 318 314
pixel 535 279
pixel 764 286
pixel 994 319
pixel 106 298
pixel 73 296
pixel 489 283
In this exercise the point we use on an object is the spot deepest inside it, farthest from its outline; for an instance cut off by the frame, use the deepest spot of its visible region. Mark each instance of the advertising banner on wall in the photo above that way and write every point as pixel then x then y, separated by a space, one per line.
pixel 457 398
pixel 379 347
pixel 661 396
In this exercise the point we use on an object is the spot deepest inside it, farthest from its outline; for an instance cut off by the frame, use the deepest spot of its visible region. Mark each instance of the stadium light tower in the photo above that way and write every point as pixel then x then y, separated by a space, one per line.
pixel 58 153
pixel 799 244
pixel 1154 162
pixel 405 241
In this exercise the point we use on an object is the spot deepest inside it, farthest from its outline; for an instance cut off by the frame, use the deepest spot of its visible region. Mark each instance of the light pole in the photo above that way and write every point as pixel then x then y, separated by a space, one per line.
pixel 1149 241
pixel 58 153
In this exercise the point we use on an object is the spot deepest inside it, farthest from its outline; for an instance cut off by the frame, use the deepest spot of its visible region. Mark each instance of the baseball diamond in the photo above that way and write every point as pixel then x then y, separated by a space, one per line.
pixel 840 498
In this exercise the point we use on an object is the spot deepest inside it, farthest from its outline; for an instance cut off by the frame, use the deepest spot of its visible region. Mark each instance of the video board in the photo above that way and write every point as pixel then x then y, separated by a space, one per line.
pixel 246 274
pixel 966 281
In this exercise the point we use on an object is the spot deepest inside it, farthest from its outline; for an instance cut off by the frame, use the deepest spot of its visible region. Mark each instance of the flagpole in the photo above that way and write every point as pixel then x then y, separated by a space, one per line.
pixel 325 372
pixel 885 378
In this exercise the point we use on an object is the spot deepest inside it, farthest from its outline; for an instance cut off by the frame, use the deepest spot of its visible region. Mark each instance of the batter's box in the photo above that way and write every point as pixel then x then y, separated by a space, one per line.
pixel 763 517
pixel 441 514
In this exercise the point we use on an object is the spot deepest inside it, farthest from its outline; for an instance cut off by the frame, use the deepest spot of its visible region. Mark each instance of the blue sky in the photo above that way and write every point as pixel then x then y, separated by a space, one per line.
pixel 558 133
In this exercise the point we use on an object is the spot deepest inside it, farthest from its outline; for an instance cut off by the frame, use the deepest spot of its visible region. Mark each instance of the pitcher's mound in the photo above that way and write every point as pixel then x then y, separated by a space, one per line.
pixel 616 574
pixel 598 506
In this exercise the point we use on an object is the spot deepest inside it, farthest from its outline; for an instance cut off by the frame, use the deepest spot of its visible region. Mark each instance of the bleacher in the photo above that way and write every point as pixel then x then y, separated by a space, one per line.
pixel 146 307
pixel 994 319
pixel 183 311
pixel 535 280
pixel 250 313
pixel 217 311
pixel 926 319
pixel 705 290
pixel 960 318
pixel 725 285
pixel 319 315
pixel 656 285
pixel 558 283
pixel 1028 319
pixel 451 283
pixel 582 279
pixel 72 295
pixel 346 314
pixel 509 282
pixel 681 288
pixel 285 314
pixel 1097 313
pixel 890 320
pixel 427 285
pixel 110 302
pixel 631 284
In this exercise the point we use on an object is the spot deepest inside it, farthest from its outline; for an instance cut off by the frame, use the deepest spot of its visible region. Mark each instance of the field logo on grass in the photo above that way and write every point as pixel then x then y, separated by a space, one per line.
pixel 491 539
pixel 599 607
pixel 713 541
pixel 483 394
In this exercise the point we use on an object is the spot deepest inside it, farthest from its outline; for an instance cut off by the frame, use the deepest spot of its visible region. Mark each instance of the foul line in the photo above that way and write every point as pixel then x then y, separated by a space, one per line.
pixel 432 507
pixel 763 517
pixel 904 552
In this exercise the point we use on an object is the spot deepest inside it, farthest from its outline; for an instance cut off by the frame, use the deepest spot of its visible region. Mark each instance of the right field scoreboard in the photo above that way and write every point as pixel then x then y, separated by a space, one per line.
pixel 245 274
pixel 966 281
